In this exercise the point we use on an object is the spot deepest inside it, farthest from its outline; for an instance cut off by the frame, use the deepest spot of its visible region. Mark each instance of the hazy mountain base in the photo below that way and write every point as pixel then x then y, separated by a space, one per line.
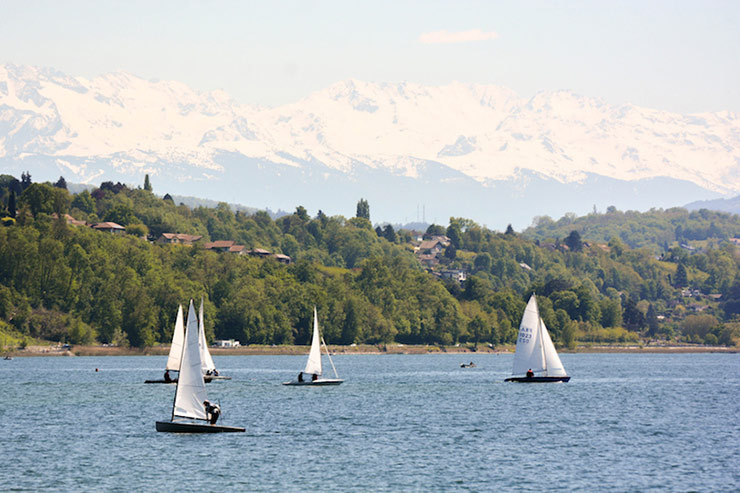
pixel 435 194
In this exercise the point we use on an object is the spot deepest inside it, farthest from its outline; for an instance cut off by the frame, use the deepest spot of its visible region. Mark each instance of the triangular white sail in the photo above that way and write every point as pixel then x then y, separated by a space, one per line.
pixel 191 388
pixel 534 348
pixel 178 337
pixel 553 365
pixel 313 365
pixel 205 354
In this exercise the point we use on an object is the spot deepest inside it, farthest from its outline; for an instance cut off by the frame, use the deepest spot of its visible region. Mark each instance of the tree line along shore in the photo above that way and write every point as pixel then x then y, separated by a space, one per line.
pixel 110 265
pixel 98 350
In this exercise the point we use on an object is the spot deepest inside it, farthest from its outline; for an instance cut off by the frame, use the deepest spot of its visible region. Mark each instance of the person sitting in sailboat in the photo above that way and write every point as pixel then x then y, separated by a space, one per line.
pixel 300 376
pixel 212 411
pixel 530 373
pixel 167 377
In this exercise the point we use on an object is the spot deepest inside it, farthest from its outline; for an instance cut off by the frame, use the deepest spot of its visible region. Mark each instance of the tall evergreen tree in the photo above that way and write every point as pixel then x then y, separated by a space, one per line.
pixel 574 241
pixel 681 279
pixel 61 183
pixel 652 320
pixel 11 204
pixel 363 209
pixel 389 233
pixel 147 183
pixel 26 180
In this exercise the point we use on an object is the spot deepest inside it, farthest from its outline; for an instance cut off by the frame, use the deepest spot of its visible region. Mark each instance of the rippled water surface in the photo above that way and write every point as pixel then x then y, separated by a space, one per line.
pixel 399 423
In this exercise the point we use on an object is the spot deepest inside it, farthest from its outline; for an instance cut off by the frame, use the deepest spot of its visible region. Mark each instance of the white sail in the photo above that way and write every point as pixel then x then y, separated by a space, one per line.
pixel 173 361
pixel 534 348
pixel 313 365
pixel 553 365
pixel 191 388
pixel 205 354
pixel 529 352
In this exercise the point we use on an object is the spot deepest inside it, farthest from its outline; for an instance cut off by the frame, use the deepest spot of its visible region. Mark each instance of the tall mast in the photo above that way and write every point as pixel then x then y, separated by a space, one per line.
pixel 540 337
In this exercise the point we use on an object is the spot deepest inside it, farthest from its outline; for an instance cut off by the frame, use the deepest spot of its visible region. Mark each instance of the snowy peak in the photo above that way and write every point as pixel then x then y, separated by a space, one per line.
pixel 485 133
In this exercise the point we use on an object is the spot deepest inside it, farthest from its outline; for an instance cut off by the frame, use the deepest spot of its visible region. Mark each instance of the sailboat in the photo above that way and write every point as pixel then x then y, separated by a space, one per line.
pixel 311 374
pixel 536 359
pixel 173 360
pixel 209 367
pixel 189 413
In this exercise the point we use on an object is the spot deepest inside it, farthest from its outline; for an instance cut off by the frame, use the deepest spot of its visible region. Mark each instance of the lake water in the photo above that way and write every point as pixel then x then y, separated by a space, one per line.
pixel 632 422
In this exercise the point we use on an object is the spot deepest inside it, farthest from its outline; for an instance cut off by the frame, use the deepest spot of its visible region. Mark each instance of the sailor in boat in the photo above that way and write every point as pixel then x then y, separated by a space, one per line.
pixel 300 376
pixel 212 412
pixel 530 373
pixel 167 377
pixel 314 377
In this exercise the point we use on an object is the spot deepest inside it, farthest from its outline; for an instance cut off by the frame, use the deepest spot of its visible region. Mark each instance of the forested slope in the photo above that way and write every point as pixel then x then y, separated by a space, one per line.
pixel 71 283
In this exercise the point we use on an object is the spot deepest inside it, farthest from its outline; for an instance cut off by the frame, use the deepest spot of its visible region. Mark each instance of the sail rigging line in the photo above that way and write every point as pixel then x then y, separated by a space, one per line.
pixel 336 375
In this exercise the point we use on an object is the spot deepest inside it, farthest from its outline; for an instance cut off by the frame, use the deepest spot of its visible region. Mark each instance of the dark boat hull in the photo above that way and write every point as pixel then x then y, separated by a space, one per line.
pixel 205 379
pixel 183 427
pixel 321 381
pixel 218 377
pixel 537 379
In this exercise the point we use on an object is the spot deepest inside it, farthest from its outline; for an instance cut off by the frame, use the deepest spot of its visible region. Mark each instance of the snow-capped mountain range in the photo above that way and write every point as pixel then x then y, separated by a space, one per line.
pixel 477 151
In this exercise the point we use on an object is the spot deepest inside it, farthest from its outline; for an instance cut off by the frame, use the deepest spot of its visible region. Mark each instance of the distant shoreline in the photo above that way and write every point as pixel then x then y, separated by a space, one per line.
pixel 257 350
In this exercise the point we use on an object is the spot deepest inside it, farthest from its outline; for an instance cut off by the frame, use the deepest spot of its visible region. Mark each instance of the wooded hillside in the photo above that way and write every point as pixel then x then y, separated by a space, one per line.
pixel 65 281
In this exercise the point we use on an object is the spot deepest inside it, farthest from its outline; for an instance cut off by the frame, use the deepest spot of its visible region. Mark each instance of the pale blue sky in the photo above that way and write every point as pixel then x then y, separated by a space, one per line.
pixel 673 55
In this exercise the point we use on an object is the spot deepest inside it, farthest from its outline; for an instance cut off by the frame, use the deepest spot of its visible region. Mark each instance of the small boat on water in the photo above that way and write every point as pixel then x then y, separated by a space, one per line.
pixel 209 367
pixel 535 359
pixel 311 374
pixel 467 365
pixel 173 360
pixel 192 412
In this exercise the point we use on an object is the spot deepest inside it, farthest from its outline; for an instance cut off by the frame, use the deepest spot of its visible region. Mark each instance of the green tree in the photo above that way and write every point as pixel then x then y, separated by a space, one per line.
pixel 681 279
pixel 574 242
pixel 363 209
pixel 483 262
pixel 11 204
pixel 137 229
pixel 147 183
pixel 84 202
pixel 389 233
pixel 44 198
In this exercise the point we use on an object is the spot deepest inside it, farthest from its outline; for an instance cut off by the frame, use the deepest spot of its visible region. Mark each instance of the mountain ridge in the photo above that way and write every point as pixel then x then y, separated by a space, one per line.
pixel 357 139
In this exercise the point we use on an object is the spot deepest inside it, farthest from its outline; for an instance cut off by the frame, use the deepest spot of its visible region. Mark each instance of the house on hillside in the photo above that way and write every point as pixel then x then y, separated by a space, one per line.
pixel 434 246
pixel 109 227
pixel 458 275
pixel 238 249
pixel 178 238
pixel 428 260
pixel 70 220
pixel 259 252
pixel 219 246
pixel 283 259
